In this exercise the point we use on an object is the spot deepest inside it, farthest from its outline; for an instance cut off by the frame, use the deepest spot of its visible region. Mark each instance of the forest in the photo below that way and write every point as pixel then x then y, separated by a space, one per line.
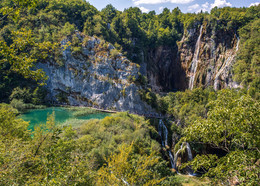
pixel 221 126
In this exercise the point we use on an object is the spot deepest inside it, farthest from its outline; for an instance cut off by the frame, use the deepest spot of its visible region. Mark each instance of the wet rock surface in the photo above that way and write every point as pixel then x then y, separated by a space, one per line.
pixel 216 56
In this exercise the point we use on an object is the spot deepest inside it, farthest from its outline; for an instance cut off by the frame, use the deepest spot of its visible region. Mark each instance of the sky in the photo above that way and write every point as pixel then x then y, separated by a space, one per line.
pixel 184 5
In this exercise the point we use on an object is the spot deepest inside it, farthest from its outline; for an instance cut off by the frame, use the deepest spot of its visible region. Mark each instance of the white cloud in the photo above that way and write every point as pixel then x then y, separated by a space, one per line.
pixel 254 4
pixel 220 3
pixel 161 8
pixel 143 9
pixel 139 2
pixel 193 7
pixel 205 5
pixel 197 8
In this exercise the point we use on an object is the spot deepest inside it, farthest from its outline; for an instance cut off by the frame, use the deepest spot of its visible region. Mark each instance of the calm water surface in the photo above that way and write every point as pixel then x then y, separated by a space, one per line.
pixel 39 116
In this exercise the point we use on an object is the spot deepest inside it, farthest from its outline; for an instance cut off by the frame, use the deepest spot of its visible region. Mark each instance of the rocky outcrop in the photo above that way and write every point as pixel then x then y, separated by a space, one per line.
pixel 204 57
pixel 96 75
pixel 207 56
pixel 164 71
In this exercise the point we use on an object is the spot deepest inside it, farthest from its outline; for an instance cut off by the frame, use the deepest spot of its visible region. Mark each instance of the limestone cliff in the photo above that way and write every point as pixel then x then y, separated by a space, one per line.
pixel 204 57
pixel 207 56
pixel 94 75
pixel 164 71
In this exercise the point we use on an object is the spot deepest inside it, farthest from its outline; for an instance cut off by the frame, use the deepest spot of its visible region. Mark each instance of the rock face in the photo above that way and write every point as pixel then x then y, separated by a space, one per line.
pixel 164 71
pixel 207 57
pixel 204 57
pixel 97 75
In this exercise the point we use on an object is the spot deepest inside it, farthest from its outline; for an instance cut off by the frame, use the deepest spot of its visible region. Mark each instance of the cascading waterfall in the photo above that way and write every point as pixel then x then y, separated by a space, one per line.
pixel 194 63
pixel 171 158
pixel 189 152
pixel 225 65
pixel 176 157
pixel 163 132
pixel 190 157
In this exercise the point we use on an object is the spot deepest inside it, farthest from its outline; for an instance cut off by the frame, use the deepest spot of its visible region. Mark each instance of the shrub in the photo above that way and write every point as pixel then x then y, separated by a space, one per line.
pixel 22 94
pixel 114 53
pixel 62 97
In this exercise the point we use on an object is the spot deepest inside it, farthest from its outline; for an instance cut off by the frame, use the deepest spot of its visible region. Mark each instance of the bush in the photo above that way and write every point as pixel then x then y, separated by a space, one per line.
pixel 19 105
pixel 114 53
pixel 26 95
pixel 22 94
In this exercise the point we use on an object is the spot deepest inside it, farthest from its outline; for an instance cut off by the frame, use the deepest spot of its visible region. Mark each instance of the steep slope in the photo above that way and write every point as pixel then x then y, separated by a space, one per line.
pixel 93 74
pixel 207 56
pixel 164 71
pixel 204 57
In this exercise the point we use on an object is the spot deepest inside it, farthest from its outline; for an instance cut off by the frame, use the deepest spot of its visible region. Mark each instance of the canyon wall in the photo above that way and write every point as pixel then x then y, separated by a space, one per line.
pixel 207 56
pixel 164 70
pixel 97 75
pixel 94 76
pixel 203 58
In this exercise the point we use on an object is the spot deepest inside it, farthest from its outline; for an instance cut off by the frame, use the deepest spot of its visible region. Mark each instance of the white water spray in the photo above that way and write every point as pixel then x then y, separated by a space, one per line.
pixel 176 157
pixel 225 65
pixel 190 157
pixel 163 132
pixel 189 152
pixel 194 63
pixel 171 158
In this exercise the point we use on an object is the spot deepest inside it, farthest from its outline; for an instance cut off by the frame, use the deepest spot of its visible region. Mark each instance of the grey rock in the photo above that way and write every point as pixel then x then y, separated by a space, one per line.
pixel 98 81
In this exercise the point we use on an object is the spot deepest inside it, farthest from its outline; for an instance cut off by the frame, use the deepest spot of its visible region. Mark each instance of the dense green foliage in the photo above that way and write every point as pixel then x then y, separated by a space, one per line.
pixel 31 35
pixel 80 156
pixel 222 128
pixel 232 125
pixel 122 148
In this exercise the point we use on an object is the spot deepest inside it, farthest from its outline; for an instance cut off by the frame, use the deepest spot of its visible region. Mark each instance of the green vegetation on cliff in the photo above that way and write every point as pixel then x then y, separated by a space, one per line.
pixel 37 31
pixel 123 148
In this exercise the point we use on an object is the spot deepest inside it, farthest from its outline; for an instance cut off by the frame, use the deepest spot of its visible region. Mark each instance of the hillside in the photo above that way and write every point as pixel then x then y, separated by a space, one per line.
pixel 185 86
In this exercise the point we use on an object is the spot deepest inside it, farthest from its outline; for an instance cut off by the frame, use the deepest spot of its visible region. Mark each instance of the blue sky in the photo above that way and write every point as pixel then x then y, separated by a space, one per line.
pixel 184 5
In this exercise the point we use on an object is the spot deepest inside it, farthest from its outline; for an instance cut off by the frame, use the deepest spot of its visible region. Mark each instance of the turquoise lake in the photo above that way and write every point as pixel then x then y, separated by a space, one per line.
pixel 39 116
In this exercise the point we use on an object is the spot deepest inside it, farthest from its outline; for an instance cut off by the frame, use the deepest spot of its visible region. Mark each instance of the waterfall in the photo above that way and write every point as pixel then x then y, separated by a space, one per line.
pixel 171 158
pixel 163 132
pixel 189 152
pixel 190 158
pixel 194 63
pixel 225 64
pixel 187 146
pixel 238 41
pixel 176 157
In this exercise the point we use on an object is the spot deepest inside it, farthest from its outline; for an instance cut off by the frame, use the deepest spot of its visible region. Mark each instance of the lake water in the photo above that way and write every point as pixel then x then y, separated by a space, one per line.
pixel 39 116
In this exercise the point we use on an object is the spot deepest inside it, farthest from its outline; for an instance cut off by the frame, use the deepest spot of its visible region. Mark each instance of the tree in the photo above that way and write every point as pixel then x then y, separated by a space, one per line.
pixel 232 125
pixel 126 168
pixel 19 56
pixel 108 13
pixel 13 7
